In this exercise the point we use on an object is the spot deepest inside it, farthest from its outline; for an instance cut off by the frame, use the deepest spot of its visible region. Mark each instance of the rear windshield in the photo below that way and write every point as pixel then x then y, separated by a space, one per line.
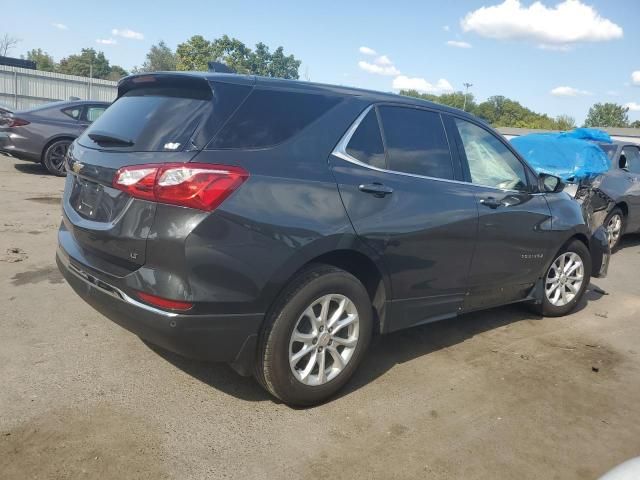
pixel 152 119
pixel 269 117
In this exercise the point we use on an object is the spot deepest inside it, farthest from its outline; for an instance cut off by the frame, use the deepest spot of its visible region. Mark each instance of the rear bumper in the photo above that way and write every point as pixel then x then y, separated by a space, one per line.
pixel 8 146
pixel 225 338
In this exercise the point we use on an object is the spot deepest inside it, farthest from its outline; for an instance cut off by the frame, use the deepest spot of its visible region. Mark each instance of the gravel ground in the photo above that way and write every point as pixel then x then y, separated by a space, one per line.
pixel 497 394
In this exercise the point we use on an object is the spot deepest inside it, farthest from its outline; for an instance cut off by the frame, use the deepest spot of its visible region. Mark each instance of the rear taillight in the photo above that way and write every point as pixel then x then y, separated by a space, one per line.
pixel 195 185
pixel 16 122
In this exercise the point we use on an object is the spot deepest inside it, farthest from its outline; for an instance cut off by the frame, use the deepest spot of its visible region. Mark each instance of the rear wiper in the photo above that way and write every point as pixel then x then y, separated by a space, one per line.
pixel 102 138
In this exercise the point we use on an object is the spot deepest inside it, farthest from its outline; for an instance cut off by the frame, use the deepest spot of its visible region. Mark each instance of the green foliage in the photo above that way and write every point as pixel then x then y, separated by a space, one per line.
pixel 43 60
pixel 87 61
pixel 195 53
pixel 116 73
pixel 607 115
pixel 498 111
pixel 160 58
pixel 635 124
pixel 565 122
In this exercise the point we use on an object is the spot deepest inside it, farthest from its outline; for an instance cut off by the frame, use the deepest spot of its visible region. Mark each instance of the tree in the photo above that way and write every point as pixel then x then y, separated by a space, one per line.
pixel 607 115
pixel 117 72
pixel 565 122
pixel 635 124
pixel 195 53
pixel 7 43
pixel 87 62
pixel 160 58
pixel 43 60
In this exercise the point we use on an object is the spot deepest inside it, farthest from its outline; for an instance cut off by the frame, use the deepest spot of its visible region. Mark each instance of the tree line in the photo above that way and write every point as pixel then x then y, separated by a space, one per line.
pixel 500 111
pixel 193 54
pixel 197 51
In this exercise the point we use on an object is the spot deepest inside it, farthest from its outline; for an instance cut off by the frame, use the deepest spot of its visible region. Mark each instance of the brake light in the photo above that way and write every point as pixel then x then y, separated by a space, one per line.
pixel 164 302
pixel 196 185
pixel 17 122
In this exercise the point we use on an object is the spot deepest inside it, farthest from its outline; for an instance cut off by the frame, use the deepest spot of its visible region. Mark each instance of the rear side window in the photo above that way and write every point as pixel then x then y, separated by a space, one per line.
pixel 366 143
pixel 154 119
pixel 73 112
pixel 416 142
pixel 269 117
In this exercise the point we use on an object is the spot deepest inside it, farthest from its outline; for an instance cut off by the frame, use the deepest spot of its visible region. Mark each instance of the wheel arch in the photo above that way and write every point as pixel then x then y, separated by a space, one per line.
pixel 50 141
pixel 348 254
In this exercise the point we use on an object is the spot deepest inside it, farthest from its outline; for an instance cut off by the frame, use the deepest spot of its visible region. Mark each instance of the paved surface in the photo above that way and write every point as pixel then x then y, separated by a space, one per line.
pixel 498 394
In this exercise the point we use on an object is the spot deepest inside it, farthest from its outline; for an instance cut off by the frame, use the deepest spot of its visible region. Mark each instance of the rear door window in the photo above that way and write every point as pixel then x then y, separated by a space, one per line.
pixel 270 117
pixel 366 143
pixel 94 112
pixel 416 142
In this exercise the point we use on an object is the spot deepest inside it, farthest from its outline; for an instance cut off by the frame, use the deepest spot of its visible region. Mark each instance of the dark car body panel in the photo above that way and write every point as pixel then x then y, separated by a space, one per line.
pixel 300 203
pixel 46 124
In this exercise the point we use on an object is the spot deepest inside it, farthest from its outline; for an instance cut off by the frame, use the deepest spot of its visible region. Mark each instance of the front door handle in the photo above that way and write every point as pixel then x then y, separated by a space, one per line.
pixel 376 189
pixel 491 202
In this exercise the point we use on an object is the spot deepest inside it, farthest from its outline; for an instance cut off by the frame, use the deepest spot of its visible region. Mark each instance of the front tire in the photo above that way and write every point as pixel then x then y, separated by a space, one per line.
pixel 614 225
pixel 566 279
pixel 54 156
pixel 315 336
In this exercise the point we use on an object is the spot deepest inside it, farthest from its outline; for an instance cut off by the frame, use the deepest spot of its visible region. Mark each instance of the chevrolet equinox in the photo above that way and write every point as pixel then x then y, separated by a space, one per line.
pixel 277 225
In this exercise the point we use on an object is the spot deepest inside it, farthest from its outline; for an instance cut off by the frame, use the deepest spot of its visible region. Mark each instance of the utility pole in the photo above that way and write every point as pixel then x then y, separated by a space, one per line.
pixel 466 92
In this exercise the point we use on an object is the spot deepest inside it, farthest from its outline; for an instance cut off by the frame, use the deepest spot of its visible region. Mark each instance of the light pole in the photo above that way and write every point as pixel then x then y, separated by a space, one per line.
pixel 466 92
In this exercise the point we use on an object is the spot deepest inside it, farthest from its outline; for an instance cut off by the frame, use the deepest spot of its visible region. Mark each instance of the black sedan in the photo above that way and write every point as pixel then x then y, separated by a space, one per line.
pixel 43 134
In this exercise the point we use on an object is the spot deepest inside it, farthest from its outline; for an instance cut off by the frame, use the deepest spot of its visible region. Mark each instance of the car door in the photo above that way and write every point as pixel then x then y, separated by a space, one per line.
pixel 631 173
pixel 399 183
pixel 513 245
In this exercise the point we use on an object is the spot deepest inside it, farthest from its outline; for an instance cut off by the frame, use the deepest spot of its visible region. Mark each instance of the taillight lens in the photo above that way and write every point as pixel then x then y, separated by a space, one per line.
pixel 16 122
pixel 195 185
pixel 164 302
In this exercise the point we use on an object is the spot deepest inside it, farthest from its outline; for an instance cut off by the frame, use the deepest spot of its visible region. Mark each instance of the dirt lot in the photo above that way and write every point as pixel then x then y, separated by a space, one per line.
pixel 499 394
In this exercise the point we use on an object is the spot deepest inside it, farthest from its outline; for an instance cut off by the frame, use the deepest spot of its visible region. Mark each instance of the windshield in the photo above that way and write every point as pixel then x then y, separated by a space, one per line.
pixel 609 149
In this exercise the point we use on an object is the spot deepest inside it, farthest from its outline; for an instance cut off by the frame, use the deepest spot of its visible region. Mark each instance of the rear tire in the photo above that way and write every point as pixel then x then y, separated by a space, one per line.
pixel 325 312
pixel 566 280
pixel 615 225
pixel 54 157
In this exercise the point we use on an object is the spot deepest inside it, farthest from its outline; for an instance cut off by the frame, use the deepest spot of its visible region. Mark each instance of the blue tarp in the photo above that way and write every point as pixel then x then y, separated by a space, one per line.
pixel 572 156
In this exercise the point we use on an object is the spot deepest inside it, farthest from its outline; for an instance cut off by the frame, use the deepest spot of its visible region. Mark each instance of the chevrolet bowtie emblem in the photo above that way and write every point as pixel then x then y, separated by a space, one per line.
pixel 77 166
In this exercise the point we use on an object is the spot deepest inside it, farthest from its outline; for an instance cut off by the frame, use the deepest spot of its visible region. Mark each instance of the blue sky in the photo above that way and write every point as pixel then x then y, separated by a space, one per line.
pixel 584 51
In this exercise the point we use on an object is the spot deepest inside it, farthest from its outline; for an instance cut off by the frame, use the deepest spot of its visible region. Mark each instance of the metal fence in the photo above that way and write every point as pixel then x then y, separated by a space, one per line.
pixel 21 88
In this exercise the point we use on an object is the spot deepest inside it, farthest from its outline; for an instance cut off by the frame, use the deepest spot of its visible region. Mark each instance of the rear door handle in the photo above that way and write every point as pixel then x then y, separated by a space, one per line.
pixel 491 202
pixel 376 189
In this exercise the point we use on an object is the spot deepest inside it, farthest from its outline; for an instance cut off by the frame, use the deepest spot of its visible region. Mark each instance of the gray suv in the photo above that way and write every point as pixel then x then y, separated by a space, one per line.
pixel 278 225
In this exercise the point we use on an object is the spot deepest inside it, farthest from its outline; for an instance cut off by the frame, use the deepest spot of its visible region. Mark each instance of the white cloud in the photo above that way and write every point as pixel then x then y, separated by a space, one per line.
pixel 403 82
pixel 446 28
pixel 126 33
pixel 457 44
pixel 60 26
pixel 570 21
pixel 633 106
pixel 106 41
pixel 383 60
pixel 378 69
pixel 568 92
pixel 635 77
pixel 367 51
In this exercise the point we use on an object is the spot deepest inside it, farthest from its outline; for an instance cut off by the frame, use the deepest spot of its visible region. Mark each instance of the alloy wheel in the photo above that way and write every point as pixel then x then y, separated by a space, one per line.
pixel 564 279
pixel 614 229
pixel 57 155
pixel 324 339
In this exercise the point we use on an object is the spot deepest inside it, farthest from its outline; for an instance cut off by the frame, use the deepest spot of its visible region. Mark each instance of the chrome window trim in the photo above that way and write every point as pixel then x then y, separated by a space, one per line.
pixel 340 151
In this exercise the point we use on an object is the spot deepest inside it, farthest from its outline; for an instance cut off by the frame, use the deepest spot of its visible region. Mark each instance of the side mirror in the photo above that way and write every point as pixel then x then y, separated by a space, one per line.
pixel 550 183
